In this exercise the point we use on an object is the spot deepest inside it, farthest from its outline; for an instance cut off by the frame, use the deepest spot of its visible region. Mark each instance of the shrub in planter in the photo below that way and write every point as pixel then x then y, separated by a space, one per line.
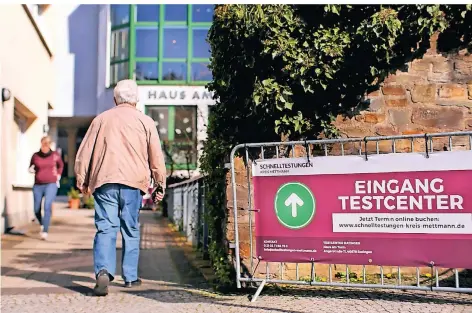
pixel 74 198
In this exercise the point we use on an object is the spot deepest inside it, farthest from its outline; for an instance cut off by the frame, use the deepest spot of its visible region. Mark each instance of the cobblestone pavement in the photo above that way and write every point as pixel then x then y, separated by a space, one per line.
pixel 56 276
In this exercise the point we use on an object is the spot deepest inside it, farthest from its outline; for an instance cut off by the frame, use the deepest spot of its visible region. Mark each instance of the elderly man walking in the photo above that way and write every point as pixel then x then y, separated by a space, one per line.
pixel 115 162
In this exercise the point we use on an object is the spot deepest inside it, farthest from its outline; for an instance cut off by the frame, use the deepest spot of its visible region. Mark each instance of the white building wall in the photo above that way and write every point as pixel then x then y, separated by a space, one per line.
pixel 64 64
pixel 104 92
pixel 77 63
pixel 27 70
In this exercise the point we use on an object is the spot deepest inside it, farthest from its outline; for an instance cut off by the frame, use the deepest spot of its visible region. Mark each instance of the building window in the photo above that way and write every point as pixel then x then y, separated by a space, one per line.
pixel 161 44
pixel 147 71
pixel 175 13
pixel 174 71
pixel 200 71
pixel 175 42
pixel 177 128
pixel 147 42
pixel 119 43
pixel 147 13
pixel 202 13
pixel 119 14
pixel 201 48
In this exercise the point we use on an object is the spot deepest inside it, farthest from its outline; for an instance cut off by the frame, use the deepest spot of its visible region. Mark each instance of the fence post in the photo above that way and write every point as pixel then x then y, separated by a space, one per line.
pixel 205 222
pixel 344 279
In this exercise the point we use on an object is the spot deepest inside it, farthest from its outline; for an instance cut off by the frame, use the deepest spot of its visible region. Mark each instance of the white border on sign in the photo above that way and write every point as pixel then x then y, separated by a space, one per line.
pixel 357 2
pixel 376 163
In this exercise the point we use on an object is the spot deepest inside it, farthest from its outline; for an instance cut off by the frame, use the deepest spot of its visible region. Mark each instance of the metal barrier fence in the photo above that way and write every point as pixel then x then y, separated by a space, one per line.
pixel 418 143
pixel 186 209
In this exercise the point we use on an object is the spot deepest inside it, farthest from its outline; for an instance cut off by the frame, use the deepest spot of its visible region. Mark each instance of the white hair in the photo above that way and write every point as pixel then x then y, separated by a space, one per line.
pixel 126 91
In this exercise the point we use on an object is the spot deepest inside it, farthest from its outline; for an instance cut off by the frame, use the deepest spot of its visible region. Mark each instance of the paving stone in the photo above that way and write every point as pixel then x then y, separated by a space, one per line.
pixel 56 276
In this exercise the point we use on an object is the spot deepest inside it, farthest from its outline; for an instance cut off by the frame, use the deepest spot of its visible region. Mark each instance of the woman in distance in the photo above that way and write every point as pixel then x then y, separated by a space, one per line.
pixel 47 166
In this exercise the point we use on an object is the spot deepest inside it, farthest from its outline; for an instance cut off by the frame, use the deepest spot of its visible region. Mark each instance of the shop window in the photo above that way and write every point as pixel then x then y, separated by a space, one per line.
pixel 160 115
pixel 183 154
pixel 177 127
pixel 185 123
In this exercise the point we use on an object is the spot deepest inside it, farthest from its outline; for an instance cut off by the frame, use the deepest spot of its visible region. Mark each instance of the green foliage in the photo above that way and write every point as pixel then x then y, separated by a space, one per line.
pixel 73 193
pixel 288 68
pixel 213 159
pixel 89 202
pixel 285 71
pixel 458 33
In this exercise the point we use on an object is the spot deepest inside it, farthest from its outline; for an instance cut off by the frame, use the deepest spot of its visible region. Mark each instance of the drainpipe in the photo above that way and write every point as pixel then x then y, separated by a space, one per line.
pixel 5 95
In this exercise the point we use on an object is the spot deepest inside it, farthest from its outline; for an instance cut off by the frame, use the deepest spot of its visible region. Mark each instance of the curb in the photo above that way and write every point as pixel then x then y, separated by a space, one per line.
pixel 193 256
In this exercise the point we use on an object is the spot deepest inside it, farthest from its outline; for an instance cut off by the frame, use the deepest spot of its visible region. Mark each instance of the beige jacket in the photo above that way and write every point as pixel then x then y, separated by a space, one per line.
pixel 121 146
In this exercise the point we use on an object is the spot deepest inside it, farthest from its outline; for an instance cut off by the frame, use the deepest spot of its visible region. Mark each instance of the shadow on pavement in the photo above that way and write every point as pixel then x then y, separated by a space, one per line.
pixel 62 280
pixel 165 270
pixel 161 263
pixel 370 294
pixel 179 296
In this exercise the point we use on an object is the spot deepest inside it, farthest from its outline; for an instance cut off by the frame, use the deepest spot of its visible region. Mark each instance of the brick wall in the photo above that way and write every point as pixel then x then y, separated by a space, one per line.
pixel 433 95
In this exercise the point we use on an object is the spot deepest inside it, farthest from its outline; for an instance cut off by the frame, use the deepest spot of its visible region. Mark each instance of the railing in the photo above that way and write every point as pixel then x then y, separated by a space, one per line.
pixel 276 273
pixel 186 209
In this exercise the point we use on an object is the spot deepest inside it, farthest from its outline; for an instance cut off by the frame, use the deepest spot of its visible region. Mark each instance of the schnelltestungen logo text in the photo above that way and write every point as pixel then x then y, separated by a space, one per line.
pixel 284 166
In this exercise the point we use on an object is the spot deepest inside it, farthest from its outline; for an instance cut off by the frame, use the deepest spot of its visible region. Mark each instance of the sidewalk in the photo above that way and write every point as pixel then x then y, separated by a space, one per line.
pixel 57 276
pixel 64 263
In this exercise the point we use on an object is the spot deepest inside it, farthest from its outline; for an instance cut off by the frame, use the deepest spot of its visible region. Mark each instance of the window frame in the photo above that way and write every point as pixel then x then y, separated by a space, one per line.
pixel 130 34
pixel 171 133
pixel 161 24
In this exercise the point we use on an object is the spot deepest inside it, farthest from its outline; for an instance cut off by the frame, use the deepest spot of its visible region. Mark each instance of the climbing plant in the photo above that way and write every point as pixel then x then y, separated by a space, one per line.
pixel 285 71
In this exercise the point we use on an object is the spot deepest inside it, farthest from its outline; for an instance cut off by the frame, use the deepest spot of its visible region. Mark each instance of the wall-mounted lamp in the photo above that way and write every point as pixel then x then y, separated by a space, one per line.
pixel 6 94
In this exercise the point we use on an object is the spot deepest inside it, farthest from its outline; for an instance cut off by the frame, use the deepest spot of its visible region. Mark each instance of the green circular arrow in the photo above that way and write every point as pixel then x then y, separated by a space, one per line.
pixel 294 205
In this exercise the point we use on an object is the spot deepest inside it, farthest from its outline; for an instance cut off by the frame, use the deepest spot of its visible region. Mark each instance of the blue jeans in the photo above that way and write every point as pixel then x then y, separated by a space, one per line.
pixel 48 191
pixel 117 207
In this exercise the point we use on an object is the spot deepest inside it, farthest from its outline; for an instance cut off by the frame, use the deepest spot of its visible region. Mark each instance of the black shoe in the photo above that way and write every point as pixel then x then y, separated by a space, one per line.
pixel 136 283
pixel 103 280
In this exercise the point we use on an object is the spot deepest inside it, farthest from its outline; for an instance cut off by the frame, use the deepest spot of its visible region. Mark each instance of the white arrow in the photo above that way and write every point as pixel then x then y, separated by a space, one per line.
pixel 294 201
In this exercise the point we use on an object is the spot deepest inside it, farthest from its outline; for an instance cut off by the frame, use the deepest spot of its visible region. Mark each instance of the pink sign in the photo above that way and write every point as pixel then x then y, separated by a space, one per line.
pixel 394 209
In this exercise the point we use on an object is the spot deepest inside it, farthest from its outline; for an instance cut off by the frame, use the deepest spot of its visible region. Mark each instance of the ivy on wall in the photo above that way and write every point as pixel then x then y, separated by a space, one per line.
pixel 285 71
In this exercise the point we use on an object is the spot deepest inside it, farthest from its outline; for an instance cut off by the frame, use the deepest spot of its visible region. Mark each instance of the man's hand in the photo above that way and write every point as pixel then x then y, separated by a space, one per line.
pixel 84 190
pixel 158 194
